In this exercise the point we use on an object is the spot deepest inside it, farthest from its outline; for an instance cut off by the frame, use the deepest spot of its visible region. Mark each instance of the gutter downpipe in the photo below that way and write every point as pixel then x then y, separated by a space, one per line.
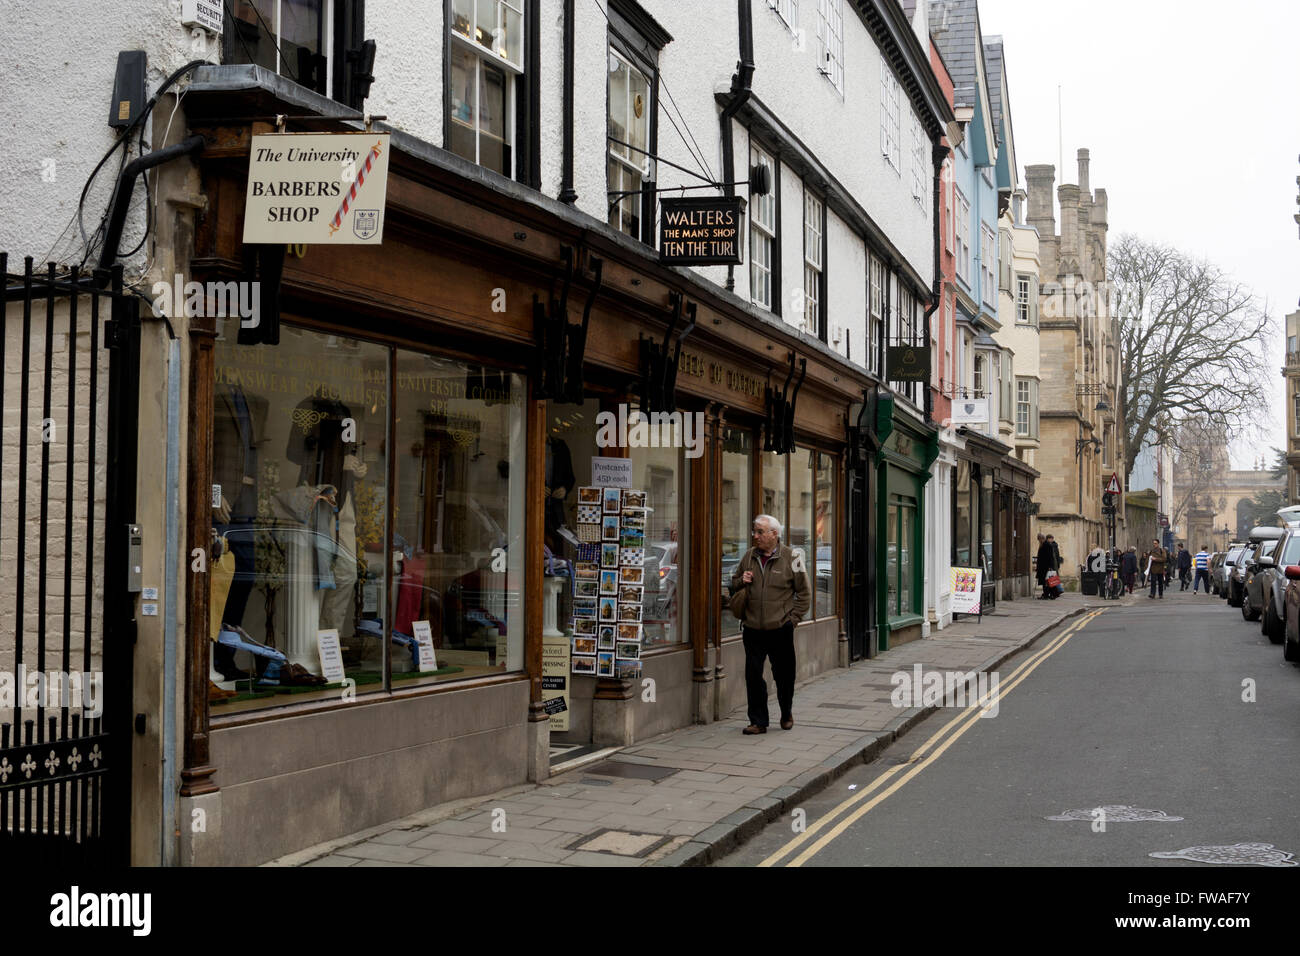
pixel 568 194
pixel 940 156
pixel 741 90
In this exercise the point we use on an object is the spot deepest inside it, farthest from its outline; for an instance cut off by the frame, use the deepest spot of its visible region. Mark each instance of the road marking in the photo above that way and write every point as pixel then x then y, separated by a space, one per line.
pixel 971 715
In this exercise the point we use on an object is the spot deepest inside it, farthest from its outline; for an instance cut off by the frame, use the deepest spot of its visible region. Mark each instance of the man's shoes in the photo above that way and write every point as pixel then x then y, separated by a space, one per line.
pixel 754 729
pixel 787 723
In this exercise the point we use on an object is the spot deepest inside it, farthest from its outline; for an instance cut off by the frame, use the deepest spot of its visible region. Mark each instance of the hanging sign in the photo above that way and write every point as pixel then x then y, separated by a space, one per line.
pixel 699 231
pixel 317 188
pixel 970 411
pixel 1112 486
pixel 907 363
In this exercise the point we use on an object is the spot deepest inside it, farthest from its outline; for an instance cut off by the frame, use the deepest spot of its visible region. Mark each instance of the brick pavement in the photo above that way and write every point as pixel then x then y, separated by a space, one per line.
pixel 715 787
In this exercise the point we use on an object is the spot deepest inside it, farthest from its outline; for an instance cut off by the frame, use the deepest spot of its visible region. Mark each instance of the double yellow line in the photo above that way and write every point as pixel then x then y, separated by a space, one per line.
pixel 915 763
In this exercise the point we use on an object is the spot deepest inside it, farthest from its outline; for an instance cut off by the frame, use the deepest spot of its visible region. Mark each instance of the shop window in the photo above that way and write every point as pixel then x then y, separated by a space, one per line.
pixel 814 227
pixel 824 527
pixel 901 595
pixel 800 529
pixel 737 512
pixel 762 236
pixel 486 68
pixel 986 523
pixel 961 525
pixel 633 107
pixel 458 519
pixel 661 473
pixel 300 469
pixel 773 490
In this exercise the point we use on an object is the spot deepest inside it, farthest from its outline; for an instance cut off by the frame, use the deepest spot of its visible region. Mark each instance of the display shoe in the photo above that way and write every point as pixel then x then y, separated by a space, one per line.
pixel 754 729
pixel 216 693
pixel 295 675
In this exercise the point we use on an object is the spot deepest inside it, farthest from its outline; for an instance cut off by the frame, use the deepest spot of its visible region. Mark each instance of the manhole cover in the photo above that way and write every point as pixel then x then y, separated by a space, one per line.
pixel 633 771
pixel 620 842
pixel 1118 814
pixel 1239 854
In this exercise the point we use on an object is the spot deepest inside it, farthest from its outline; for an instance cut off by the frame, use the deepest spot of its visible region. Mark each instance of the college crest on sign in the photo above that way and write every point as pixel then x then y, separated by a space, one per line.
pixel 365 223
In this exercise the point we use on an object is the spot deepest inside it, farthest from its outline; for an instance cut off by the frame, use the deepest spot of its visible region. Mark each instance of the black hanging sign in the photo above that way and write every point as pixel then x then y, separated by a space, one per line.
pixel 907 363
pixel 702 231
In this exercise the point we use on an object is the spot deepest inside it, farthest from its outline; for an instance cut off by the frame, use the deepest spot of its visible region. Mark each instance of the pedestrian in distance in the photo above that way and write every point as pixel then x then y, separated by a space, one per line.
pixel 1129 568
pixel 1202 561
pixel 1156 560
pixel 1056 565
pixel 769 595
pixel 1043 564
pixel 1184 567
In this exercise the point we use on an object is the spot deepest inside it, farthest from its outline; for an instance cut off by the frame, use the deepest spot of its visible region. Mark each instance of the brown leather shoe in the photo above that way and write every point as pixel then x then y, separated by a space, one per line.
pixel 754 729
pixel 787 723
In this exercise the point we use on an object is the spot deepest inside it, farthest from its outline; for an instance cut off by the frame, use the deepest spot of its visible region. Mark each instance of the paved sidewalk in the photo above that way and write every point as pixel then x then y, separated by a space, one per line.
pixel 689 796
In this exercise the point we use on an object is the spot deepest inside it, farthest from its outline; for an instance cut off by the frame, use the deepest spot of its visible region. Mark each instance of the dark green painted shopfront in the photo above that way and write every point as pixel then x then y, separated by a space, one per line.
pixel 907 450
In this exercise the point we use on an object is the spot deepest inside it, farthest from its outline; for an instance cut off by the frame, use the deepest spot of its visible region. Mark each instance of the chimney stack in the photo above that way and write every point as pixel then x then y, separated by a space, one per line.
pixel 1039 180
pixel 1083 172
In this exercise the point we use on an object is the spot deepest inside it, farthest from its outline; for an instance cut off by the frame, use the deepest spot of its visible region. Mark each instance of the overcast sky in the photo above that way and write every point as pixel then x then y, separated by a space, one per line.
pixel 1191 115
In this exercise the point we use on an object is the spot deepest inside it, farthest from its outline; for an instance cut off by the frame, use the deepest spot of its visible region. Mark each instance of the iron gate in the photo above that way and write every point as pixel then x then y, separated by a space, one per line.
pixel 67 491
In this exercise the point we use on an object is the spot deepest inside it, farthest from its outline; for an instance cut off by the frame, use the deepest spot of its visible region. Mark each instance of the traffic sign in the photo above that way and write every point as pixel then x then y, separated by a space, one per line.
pixel 1112 486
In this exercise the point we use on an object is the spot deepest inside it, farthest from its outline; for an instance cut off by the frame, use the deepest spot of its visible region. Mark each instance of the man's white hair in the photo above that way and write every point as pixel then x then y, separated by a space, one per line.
pixel 772 523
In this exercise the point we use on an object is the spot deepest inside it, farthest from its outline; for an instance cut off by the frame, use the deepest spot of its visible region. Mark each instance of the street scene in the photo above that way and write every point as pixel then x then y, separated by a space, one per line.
pixel 651 435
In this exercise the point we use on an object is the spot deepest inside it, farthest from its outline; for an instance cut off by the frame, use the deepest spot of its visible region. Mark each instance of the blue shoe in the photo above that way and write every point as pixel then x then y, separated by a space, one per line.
pixel 237 638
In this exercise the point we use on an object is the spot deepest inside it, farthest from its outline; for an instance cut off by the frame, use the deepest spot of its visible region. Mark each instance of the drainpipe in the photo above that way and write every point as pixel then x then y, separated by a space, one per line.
pixel 940 154
pixel 125 185
pixel 740 92
pixel 567 193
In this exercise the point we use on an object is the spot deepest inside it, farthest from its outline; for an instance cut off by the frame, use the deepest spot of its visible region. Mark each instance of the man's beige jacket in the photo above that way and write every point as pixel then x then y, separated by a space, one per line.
pixel 775 597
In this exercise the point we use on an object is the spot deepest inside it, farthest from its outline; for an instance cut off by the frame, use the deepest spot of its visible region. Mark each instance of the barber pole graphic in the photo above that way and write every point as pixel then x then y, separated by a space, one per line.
pixel 350 197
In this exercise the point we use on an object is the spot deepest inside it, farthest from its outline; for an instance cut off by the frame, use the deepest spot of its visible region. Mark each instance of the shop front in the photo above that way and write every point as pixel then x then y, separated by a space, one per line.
pixel 436 549
pixel 908 449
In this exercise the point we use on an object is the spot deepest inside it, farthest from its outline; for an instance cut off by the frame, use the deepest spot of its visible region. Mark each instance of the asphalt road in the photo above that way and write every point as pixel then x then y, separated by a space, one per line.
pixel 1140 707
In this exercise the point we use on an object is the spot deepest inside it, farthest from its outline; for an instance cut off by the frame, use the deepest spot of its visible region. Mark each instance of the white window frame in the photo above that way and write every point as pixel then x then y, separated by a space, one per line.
pixel 978 376
pixel 512 71
pixel 762 233
pixel 787 10
pixel 830 41
pixel 963 236
pixel 876 317
pixel 890 129
pixel 814 225
pixel 627 164
pixel 988 246
pixel 1022 408
pixel 1023 316
pixel 918 162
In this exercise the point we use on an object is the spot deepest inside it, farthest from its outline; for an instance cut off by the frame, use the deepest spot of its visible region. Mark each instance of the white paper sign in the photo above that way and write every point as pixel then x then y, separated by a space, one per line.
pixel 317 188
pixel 611 472
pixel 202 13
pixel 424 639
pixel 331 656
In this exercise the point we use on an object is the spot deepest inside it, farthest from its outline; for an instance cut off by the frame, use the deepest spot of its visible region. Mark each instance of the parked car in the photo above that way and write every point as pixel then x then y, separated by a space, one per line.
pixel 1291 625
pixel 1219 576
pixel 1253 577
pixel 1237 577
pixel 1287 552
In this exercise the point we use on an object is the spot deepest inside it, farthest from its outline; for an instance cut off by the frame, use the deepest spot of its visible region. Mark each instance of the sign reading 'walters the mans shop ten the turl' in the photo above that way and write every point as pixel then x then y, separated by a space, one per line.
pixel 700 232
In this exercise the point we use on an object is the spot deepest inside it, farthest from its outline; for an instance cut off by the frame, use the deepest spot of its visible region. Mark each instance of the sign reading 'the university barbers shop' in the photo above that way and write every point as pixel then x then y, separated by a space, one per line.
pixel 699 232
pixel 317 188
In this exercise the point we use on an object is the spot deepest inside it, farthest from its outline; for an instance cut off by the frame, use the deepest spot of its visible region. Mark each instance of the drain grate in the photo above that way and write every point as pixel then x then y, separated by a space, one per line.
pixel 1238 854
pixel 632 771
pixel 844 706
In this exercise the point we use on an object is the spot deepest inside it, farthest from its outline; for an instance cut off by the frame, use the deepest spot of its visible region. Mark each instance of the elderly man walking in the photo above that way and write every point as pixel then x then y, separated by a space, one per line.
pixel 769 595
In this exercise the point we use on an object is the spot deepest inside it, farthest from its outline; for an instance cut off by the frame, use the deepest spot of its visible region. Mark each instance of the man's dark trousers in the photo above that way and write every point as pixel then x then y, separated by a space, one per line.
pixel 1157 581
pixel 1202 574
pixel 778 645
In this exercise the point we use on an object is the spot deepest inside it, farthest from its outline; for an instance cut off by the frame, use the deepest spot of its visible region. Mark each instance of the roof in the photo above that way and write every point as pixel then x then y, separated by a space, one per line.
pixel 909 8
pixel 993 60
pixel 953 25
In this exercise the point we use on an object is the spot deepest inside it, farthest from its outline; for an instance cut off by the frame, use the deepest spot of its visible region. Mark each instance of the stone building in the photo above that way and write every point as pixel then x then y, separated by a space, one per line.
pixel 1291 372
pixel 1079 413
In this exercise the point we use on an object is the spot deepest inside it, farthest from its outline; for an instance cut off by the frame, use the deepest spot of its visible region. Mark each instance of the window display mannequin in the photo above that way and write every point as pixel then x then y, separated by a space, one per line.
pixel 560 481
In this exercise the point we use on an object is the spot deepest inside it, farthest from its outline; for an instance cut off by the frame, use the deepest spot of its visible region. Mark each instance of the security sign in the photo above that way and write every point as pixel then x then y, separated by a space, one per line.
pixel 317 188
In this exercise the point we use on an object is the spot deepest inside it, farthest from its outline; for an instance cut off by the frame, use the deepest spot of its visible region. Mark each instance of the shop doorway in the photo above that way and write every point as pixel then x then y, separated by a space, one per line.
pixel 69 383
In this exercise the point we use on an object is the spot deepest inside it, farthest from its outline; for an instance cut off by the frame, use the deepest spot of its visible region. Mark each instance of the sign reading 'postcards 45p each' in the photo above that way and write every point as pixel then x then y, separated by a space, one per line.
pixel 317 188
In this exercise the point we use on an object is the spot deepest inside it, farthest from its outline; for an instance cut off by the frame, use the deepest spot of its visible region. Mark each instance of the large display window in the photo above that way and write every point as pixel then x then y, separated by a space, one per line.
pixel 310 594
pixel 737 512
pixel 824 528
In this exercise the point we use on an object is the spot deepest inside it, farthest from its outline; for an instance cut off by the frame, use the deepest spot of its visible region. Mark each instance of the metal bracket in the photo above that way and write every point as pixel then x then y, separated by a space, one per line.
pixel 560 345
pixel 658 386
pixel 778 431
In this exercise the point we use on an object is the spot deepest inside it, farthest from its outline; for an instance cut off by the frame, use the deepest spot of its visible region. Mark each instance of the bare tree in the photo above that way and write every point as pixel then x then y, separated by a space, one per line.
pixel 1202 459
pixel 1193 343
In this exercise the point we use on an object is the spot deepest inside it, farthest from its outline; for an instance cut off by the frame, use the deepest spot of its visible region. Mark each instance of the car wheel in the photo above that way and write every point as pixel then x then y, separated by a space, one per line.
pixel 1273 626
pixel 1248 612
pixel 1235 597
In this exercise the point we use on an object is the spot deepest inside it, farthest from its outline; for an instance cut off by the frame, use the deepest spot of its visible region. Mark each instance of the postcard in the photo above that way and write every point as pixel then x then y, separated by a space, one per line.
pixel 609 555
pixel 584 627
pixel 629 632
pixel 612 504
pixel 608 609
pixel 631 593
pixel 609 582
pixel 589 496
pixel 583 665
pixel 609 528
pixel 584 645
pixel 630 613
pixel 627 669
pixel 631 575
pixel 630 649
pixel 585 588
pixel 633 499
pixel 605 664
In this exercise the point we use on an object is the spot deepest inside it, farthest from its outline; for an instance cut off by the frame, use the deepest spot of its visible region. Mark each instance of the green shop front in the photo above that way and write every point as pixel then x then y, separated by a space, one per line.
pixel 907 450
